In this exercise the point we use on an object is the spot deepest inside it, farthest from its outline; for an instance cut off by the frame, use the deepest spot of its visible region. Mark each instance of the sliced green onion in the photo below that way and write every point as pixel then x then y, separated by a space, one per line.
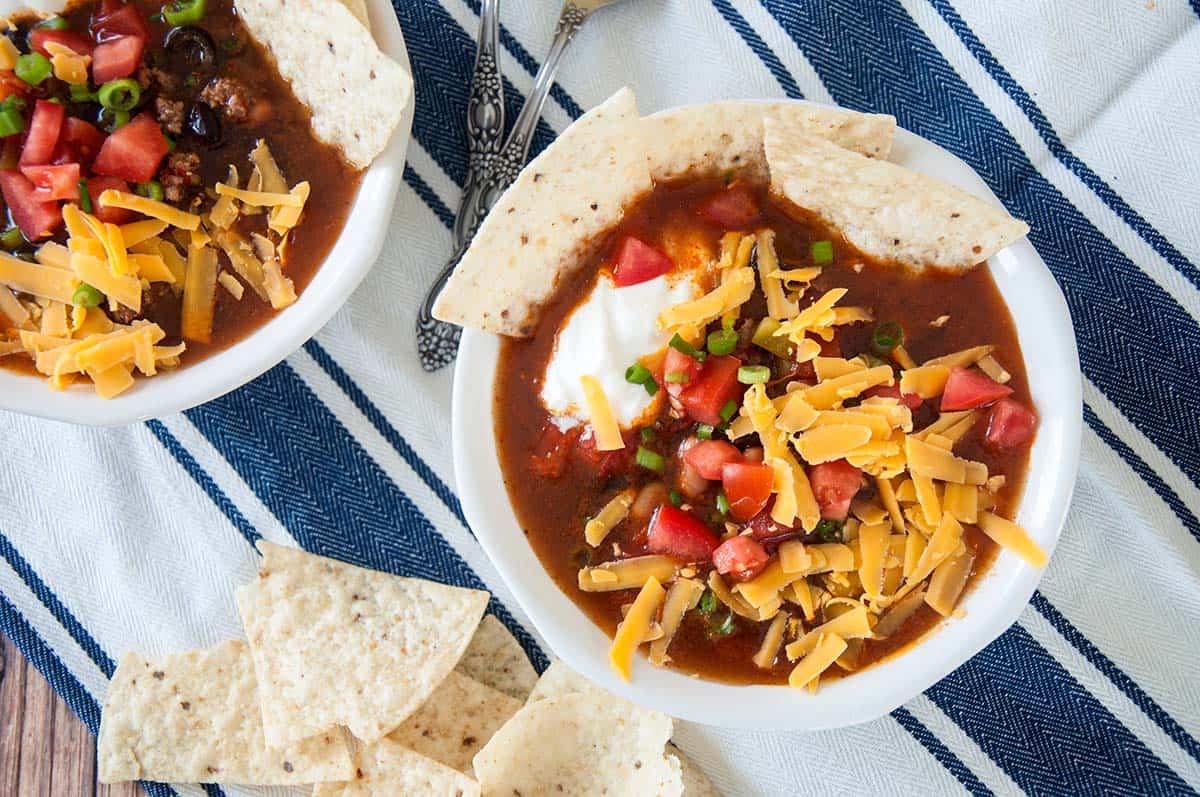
pixel 675 498
pixel 33 68
pixel 704 431
pixel 11 120
pixel 722 503
pixel 765 338
pixel 120 95
pixel 170 144
pixel 637 374
pixel 582 556
pixel 754 374
pixel 707 603
pixel 650 460
pixel 85 199
pixel 722 626
pixel 676 377
pixel 728 411
pixel 82 94
pixel 886 337
pixel 53 23
pixel 12 238
pixel 680 345
pixel 723 341
pixel 822 252
pixel 184 12
pixel 112 120
pixel 829 530
pixel 87 296
pixel 873 361
pixel 647 434
pixel 152 189
pixel 157 19
pixel 651 386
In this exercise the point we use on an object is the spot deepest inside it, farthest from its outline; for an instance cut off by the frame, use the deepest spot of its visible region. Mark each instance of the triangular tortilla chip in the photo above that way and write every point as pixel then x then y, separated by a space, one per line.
pixel 336 644
pixel 580 744
pixel 540 228
pixel 720 136
pixel 885 210
pixel 193 717
pixel 388 769
pixel 496 658
pixel 456 721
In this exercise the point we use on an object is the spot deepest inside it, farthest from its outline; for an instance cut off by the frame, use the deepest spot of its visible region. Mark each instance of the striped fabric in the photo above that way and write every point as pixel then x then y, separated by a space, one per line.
pixel 1083 117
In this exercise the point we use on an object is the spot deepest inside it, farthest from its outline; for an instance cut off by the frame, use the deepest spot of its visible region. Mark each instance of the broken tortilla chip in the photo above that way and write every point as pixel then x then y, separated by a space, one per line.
pixel 388 769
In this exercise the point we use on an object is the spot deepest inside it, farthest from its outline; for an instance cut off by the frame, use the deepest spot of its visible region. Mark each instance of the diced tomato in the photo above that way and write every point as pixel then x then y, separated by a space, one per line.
pixel 676 362
pixel 44 128
pixel 10 84
pixel 605 463
pixel 79 143
pixel 835 484
pixel 748 488
pixel 910 400
pixel 54 182
pixel 97 186
pixel 709 457
pixel 680 535
pixel 637 261
pixel 114 19
pixel 1010 424
pixel 707 394
pixel 134 151
pixel 36 216
pixel 741 558
pixel 549 457
pixel 733 208
pixel 967 389
pixel 78 42
pixel 764 527
pixel 117 58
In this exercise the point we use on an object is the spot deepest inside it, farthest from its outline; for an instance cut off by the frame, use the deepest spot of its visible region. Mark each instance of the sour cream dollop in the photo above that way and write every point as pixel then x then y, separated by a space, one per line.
pixel 606 334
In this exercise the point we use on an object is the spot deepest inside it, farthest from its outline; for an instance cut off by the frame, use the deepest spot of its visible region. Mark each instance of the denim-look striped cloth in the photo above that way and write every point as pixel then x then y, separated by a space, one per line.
pixel 1083 117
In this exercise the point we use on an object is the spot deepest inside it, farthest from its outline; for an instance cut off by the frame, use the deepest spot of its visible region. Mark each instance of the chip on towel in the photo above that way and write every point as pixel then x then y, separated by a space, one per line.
pixel 580 744
pixel 336 644
pixel 456 721
pixel 391 770
pixel 359 9
pixel 357 94
pixel 887 211
pixel 193 717
pixel 496 658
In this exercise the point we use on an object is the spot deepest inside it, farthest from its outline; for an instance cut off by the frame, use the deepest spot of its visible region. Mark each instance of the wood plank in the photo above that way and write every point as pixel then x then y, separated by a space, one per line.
pixel 37 735
pixel 74 764
pixel 12 710
pixel 120 790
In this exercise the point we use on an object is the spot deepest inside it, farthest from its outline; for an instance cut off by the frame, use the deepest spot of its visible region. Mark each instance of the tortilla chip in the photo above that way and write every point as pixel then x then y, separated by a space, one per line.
pixel 355 92
pixel 563 201
pixel 580 744
pixel 390 770
pixel 719 136
pixel 885 210
pixel 456 721
pixel 193 717
pixel 336 644
pixel 496 658
pixel 695 782
pixel 359 9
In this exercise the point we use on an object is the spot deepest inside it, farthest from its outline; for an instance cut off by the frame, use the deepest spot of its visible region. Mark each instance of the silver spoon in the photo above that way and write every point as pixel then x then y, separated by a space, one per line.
pixel 492 168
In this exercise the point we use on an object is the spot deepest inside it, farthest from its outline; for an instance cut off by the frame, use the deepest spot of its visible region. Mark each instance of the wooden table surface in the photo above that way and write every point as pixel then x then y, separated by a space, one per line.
pixel 45 750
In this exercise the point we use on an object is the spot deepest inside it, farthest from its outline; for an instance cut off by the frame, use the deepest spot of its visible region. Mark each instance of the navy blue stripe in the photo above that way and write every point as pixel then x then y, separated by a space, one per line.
pixel 1186 516
pixel 428 196
pixel 1043 728
pixel 1114 673
pixel 204 481
pixel 316 478
pixel 1058 148
pixel 64 683
pixel 442 56
pixel 56 608
pixel 871 56
pixel 389 432
pixel 760 48
pixel 941 752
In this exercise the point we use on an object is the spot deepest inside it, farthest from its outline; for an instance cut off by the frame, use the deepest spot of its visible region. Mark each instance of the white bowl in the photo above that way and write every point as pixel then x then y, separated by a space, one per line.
pixel 352 255
pixel 1046 336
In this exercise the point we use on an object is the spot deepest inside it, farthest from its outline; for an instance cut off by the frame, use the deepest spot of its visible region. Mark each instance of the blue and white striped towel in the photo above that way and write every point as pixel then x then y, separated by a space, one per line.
pixel 1083 117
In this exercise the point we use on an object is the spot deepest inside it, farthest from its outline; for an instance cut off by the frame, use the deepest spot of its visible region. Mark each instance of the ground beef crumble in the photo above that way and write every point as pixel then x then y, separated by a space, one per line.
pixel 170 114
pixel 156 301
pixel 180 175
pixel 228 96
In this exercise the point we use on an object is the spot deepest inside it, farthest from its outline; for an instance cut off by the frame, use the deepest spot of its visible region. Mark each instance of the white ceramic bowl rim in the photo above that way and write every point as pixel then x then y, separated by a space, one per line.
pixel 1045 332
pixel 352 256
